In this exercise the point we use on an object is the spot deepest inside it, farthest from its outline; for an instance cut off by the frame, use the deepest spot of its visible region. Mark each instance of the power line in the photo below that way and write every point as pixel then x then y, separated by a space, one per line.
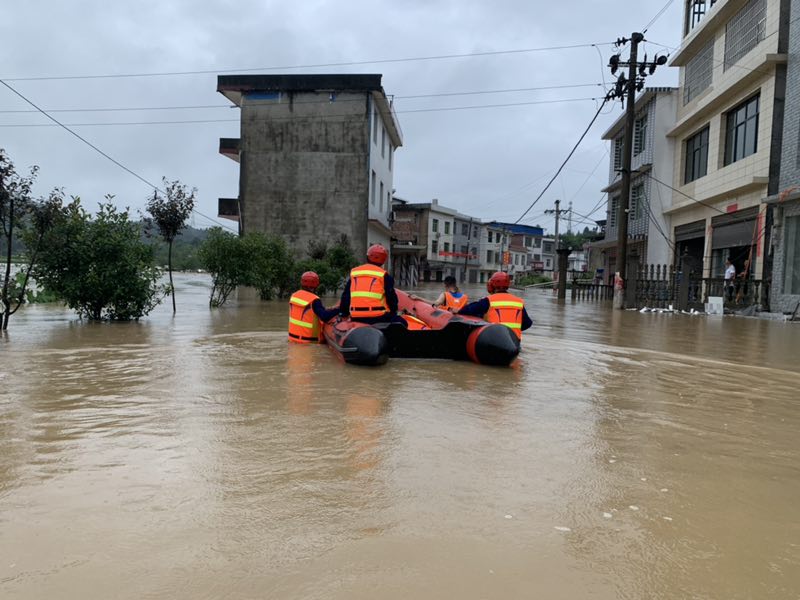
pixel 677 191
pixel 566 160
pixel 98 150
pixel 316 117
pixel 658 16
pixel 308 66
pixel 325 101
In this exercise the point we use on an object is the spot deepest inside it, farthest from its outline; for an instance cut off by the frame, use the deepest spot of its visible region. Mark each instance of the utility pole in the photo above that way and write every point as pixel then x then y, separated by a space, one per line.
pixel 557 212
pixel 625 90
pixel 569 210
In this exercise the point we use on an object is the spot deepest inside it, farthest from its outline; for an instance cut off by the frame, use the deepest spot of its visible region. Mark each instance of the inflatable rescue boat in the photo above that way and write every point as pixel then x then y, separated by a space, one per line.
pixel 430 333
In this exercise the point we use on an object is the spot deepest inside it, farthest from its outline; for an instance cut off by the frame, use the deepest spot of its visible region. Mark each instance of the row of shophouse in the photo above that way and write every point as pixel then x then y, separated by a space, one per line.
pixel 431 241
pixel 716 161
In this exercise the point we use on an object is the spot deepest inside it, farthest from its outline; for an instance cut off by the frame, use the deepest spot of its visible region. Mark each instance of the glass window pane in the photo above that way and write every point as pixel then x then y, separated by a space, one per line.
pixel 792 258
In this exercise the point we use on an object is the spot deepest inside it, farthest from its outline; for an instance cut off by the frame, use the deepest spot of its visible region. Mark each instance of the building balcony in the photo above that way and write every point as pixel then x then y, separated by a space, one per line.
pixel 230 147
pixel 228 208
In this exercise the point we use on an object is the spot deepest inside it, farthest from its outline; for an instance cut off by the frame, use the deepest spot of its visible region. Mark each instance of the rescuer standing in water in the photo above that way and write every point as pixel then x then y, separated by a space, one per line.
pixel 306 312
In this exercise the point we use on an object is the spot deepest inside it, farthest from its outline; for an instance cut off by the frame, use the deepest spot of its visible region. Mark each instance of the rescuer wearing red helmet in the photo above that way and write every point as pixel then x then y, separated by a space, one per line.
pixel 306 312
pixel 369 295
pixel 500 306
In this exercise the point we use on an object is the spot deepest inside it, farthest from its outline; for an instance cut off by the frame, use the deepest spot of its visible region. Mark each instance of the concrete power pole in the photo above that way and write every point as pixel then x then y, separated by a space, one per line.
pixel 625 189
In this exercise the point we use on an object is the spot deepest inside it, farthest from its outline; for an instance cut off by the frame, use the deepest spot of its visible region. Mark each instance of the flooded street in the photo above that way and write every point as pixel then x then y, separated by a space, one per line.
pixel 624 455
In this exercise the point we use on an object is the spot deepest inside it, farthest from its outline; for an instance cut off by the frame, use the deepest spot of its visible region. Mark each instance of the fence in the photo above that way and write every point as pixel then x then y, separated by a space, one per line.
pixel 659 286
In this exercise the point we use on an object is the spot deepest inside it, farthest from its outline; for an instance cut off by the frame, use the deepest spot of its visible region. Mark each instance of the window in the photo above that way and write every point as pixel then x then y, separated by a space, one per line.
pixel 434 247
pixel 618 143
pixel 381 197
pixel 388 201
pixel 435 225
pixel 697 10
pixel 612 212
pixel 490 237
pixel 474 232
pixel 745 31
pixel 383 143
pixel 537 243
pixel 637 199
pixel 464 250
pixel 473 252
pixel 447 246
pixel 696 156
pixel 742 131
pixel 489 257
pixel 464 229
pixel 548 247
pixel 391 152
pixel 697 75
pixel 640 135
pixel 375 124
pixel 791 269
pixel 447 227
pixel 374 190
pixel 527 242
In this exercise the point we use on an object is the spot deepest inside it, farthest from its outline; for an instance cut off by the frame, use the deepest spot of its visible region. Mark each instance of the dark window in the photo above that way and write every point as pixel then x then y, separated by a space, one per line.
pixel 434 247
pixel 640 135
pixel 742 131
pixel 447 227
pixel 447 246
pixel 696 156
pixel 490 237
pixel 464 229
pixel 435 226
pixel 489 256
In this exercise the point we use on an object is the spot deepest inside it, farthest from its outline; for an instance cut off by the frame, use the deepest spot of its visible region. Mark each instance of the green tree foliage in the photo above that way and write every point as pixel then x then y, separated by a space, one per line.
pixel 169 214
pixel 21 216
pixel 100 267
pixel 265 263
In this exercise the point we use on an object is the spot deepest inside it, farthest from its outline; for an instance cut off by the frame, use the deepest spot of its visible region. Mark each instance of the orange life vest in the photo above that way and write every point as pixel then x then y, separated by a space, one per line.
pixel 415 324
pixel 304 326
pixel 367 294
pixel 506 309
pixel 454 304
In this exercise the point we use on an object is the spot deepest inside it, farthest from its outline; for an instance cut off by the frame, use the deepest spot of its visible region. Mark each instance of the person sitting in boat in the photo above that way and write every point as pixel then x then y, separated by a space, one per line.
pixel 500 306
pixel 369 295
pixel 452 298
pixel 306 312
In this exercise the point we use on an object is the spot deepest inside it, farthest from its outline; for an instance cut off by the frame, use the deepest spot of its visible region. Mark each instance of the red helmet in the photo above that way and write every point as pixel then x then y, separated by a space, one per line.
pixel 377 254
pixel 498 282
pixel 309 279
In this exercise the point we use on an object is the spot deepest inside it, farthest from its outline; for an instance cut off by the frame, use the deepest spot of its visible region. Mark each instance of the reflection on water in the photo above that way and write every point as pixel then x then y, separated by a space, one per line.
pixel 201 456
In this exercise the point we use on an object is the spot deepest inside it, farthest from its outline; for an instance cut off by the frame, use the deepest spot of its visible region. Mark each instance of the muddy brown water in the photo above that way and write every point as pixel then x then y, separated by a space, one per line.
pixel 625 455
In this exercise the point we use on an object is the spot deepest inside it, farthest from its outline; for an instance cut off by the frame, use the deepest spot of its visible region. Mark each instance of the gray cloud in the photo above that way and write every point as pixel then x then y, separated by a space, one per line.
pixel 474 160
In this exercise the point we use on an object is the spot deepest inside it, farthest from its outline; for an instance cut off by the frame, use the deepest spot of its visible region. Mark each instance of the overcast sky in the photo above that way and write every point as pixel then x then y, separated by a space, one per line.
pixel 488 162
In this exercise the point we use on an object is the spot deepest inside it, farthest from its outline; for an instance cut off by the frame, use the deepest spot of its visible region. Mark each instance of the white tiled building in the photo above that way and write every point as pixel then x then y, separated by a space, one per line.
pixel 729 126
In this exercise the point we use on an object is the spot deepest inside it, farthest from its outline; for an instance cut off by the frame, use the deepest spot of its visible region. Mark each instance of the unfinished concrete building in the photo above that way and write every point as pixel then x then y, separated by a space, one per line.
pixel 316 155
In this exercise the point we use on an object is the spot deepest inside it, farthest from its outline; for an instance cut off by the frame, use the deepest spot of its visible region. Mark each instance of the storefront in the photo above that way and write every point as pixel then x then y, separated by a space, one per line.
pixel 690 243
pixel 737 237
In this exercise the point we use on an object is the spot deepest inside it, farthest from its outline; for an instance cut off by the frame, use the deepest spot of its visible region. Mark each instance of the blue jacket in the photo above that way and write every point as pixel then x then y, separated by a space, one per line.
pixel 479 308
pixel 323 314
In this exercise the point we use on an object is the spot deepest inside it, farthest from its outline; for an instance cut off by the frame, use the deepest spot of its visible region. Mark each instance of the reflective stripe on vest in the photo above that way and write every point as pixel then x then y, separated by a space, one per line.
pixel 367 294
pixel 304 326
pixel 506 309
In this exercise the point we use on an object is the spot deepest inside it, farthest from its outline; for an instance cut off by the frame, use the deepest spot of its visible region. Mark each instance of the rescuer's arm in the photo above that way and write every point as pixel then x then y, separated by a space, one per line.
pixel 476 309
pixel 344 303
pixel 440 300
pixel 391 295
pixel 526 320
pixel 323 314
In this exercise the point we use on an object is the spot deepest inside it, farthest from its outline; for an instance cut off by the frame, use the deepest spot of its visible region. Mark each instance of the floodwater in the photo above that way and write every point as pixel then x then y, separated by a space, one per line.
pixel 625 455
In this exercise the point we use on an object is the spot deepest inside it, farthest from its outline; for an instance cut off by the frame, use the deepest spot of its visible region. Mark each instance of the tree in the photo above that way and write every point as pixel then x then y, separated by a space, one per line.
pixel 222 255
pixel 100 267
pixel 169 215
pixel 21 217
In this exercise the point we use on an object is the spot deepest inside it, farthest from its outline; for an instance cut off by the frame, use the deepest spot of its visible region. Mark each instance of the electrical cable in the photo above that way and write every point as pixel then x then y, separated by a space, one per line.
pixel 657 17
pixel 326 101
pixel 341 118
pixel 566 160
pixel 307 66
pixel 99 151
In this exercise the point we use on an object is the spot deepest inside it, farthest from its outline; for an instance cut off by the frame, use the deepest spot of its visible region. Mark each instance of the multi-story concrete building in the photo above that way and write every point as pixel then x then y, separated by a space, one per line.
pixel 527 236
pixel 728 132
pixel 432 241
pixel 316 157
pixel 651 159
pixel 782 241
pixel 491 250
